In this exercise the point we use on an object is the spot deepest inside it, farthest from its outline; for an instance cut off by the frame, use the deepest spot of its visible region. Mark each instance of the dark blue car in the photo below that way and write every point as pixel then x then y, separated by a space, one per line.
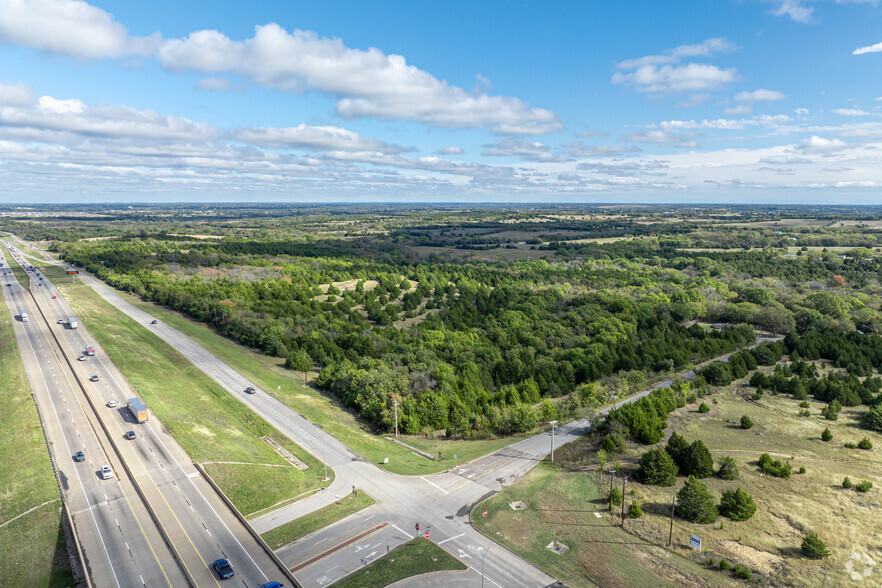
pixel 272 585
pixel 223 569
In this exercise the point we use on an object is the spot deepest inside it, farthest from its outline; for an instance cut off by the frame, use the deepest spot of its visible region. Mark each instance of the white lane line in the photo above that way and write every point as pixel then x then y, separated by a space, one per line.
pixel 332 569
pixel 450 539
pixel 488 579
pixel 400 530
pixel 435 485
pixel 370 517
pixel 322 541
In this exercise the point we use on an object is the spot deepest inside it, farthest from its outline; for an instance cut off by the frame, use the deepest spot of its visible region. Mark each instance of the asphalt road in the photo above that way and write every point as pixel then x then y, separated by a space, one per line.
pixel 440 503
pixel 196 522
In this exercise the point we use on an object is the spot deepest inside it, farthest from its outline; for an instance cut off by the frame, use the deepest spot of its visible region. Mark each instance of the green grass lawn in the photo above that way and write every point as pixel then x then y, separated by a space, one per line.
pixel 415 557
pixel 32 548
pixel 209 423
pixel 561 507
pixel 337 511
pixel 270 374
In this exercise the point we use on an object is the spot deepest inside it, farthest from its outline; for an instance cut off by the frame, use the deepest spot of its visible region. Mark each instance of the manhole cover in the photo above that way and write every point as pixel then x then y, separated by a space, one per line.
pixel 557 547
pixel 518 505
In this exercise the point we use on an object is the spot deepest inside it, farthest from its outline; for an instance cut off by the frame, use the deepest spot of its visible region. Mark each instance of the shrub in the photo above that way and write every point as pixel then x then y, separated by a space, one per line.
pixel 697 461
pixel 657 468
pixel 634 511
pixel 691 398
pixel 826 435
pixel 803 404
pixel 746 423
pixel 711 562
pixel 742 572
pixel 801 469
pixel 774 467
pixel 812 547
pixel 850 445
pixel 805 413
pixel 724 564
pixel 728 470
pixel 865 444
pixel 863 486
pixel 737 505
pixel 695 503
pixel 613 442
pixel 846 483
pixel 676 448
pixel 615 496
pixel 703 408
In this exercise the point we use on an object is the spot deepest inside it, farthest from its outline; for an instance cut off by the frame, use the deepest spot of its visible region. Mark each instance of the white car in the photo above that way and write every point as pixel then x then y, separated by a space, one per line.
pixel 106 472
pixel 111 404
pixel 81 358
pixel 60 321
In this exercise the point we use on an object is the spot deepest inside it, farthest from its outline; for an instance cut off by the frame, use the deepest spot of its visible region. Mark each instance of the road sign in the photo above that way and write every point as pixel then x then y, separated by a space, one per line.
pixel 73 272
pixel 427 534
pixel 695 542
pixel 417 526
pixel 485 513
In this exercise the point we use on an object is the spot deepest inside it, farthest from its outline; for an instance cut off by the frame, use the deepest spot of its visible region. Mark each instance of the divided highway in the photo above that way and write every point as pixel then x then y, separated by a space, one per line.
pixel 123 544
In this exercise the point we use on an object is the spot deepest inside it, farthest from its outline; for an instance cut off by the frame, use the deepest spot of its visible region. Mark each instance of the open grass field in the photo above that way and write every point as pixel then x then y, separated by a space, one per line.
pixel 32 546
pixel 205 419
pixel 307 524
pixel 269 373
pixel 415 557
pixel 561 507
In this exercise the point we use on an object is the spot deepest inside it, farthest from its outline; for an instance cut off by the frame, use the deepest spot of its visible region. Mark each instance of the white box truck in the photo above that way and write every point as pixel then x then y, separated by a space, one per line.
pixel 72 321
pixel 24 315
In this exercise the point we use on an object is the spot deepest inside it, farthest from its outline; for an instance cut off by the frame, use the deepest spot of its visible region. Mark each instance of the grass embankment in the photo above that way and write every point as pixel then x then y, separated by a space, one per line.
pixel 417 556
pixel 32 548
pixel 20 274
pixel 337 511
pixel 269 374
pixel 561 507
pixel 209 423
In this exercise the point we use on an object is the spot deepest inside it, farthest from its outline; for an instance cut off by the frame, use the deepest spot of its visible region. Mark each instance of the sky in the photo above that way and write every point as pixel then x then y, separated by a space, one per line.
pixel 719 101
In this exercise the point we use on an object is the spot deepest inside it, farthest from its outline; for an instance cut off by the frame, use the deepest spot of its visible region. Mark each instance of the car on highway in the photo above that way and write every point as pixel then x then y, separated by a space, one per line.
pixel 93 378
pixel 111 404
pixel 60 321
pixel 81 358
pixel 154 321
pixel 129 435
pixel 54 297
pixel 106 472
pixel 272 585
pixel 223 568
pixel 250 390
pixel 79 456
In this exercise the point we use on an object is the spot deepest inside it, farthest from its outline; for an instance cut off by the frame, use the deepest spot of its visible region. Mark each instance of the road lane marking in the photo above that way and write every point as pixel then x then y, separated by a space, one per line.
pixel 483 576
pixel 409 536
pixel 322 541
pixel 435 485
pixel 450 539
pixel 338 547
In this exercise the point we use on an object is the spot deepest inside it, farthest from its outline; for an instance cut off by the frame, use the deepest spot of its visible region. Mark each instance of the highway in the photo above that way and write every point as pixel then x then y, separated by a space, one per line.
pixel 194 520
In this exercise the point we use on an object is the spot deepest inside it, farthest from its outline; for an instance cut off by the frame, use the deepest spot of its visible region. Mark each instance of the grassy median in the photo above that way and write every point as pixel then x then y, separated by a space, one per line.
pixel 328 515
pixel 210 424
pixel 32 547
pixel 417 556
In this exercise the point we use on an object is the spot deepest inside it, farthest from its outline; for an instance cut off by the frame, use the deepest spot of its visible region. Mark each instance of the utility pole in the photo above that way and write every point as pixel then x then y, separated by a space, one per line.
pixel 482 563
pixel 671 532
pixel 395 404
pixel 612 477
pixel 552 440
pixel 624 479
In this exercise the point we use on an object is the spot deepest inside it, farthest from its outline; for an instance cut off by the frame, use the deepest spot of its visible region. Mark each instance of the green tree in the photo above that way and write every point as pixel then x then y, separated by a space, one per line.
pixel 728 470
pixel 863 486
pixel 812 547
pixel 615 496
pixel 299 361
pixel 737 505
pixel 634 511
pixel 865 443
pixel 657 468
pixel 746 423
pixel 695 503
pixel 676 447
pixel 703 408
pixel 846 483
pixel 872 419
pixel 601 459
pixel 697 460
pixel 826 435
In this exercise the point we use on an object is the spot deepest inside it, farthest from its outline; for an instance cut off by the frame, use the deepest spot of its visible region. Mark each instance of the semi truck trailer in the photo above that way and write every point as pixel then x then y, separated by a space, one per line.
pixel 138 410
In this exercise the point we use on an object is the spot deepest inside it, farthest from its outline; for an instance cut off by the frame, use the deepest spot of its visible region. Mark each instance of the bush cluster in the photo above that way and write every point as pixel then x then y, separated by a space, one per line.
pixel 774 467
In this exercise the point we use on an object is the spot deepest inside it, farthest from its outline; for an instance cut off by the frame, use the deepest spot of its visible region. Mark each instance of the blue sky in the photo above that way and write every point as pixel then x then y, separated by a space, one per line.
pixel 714 101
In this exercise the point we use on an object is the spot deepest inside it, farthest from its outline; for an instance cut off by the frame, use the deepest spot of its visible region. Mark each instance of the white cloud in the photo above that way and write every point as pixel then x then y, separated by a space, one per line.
pixel 577 149
pixel 692 77
pixel 366 83
pixel 738 109
pixel 801 112
pixel 759 95
pixel 816 144
pixel 850 112
pixel 451 150
pixel 69 27
pixel 214 84
pixel 795 10
pixel 15 95
pixel 868 49
pixel 765 120
pixel 658 137
pixel 675 55
pixel 325 138
pixel 525 150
